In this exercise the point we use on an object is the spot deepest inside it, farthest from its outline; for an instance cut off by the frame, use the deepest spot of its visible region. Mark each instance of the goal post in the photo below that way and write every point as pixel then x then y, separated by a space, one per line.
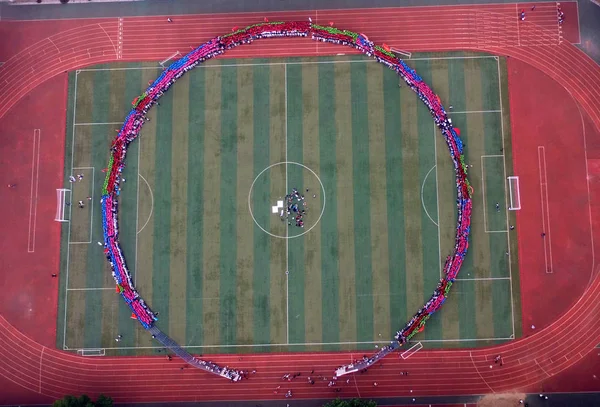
pixel 61 204
pixel 515 195
pixel 169 58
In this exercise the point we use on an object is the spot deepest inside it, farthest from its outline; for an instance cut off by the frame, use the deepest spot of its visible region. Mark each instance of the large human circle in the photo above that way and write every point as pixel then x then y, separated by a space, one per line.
pixel 329 34
pixel 287 235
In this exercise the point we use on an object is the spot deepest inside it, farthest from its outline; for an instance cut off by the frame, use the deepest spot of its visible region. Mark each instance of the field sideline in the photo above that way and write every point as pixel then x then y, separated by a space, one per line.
pixel 217 279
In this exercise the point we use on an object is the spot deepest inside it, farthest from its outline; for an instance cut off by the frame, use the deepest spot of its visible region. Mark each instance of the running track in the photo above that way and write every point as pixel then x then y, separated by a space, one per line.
pixel 493 28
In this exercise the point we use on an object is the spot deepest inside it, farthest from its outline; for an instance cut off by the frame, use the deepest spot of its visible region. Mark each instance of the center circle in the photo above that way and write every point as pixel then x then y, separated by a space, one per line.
pixel 268 200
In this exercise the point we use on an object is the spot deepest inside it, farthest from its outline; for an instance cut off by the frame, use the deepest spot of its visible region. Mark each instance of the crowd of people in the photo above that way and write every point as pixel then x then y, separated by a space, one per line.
pixel 295 208
pixel 216 46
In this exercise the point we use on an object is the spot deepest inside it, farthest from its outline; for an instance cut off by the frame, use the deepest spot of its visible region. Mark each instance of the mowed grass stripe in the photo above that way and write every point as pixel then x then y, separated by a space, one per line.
pixel 259 194
pixel 512 238
pixel 446 193
pixel 490 92
pixel 245 225
pixel 412 203
pixel 211 216
pixel 329 229
pixel 495 192
pixel 394 180
pixel 147 172
pixel 362 192
pixel 79 224
pixel 124 87
pixel 429 230
pixel 64 228
pixel 84 99
pixel 475 127
pixel 344 199
pixel 379 217
pixel 195 201
pixel 311 315
pixel 465 290
pixel 228 247
pixel 161 221
pixel 278 295
pixel 95 259
pixel 296 248
pixel 179 210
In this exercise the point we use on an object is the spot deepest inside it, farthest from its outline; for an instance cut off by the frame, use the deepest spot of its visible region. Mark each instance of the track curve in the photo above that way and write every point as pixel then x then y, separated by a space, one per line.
pixel 527 361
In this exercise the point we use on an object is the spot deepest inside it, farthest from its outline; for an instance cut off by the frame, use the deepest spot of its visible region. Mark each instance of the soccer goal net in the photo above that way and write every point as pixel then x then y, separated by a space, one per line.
pixel 61 204
pixel 515 196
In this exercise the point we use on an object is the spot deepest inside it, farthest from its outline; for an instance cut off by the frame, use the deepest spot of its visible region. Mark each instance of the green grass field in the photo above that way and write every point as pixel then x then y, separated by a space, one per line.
pixel 230 140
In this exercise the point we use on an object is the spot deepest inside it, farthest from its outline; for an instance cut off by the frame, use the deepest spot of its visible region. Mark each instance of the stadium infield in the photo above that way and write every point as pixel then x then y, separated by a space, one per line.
pixel 229 141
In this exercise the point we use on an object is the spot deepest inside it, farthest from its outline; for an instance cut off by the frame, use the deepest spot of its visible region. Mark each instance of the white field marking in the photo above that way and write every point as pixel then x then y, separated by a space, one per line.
pixel 315 21
pixel 483 196
pixel 479 373
pixel 70 211
pixel 578 25
pixel 545 209
pixel 91 289
pixel 137 214
pixel 449 112
pixel 437 197
pixel 288 63
pixel 558 30
pixel 304 344
pixel 151 203
pixel 587 180
pixel 287 229
pixel 35 181
pixel 540 366
pixel 518 20
pixel 119 50
pixel 41 360
pixel 99 124
pixel 422 199
pixel 354 377
pixel 250 203
pixel 512 304
pixel 483 279
pixel 111 41
pixel 91 204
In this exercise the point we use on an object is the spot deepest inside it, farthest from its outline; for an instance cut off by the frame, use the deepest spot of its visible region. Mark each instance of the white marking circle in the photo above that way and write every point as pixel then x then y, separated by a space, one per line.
pixel 252 187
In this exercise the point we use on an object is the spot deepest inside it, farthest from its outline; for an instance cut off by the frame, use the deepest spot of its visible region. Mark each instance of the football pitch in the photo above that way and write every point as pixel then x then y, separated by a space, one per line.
pixel 222 150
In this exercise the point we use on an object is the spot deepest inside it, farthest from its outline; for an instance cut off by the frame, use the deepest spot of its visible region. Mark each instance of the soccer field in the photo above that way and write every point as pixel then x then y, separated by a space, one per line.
pixel 228 142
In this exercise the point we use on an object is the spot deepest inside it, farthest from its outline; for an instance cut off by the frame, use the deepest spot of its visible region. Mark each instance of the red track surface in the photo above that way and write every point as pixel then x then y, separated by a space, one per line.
pixel 496 29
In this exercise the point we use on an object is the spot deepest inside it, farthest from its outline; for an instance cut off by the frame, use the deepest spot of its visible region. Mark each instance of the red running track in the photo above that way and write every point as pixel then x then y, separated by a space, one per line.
pixel 494 29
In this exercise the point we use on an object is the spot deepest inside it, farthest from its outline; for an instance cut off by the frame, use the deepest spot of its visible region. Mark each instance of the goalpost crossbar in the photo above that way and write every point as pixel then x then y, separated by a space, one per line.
pixel 412 350
pixel 170 57
pixel 514 193
pixel 61 204
pixel 403 53
pixel 91 352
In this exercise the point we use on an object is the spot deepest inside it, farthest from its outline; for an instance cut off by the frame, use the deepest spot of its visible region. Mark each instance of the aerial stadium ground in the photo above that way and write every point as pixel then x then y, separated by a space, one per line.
pixel 206 251
pixel 196 206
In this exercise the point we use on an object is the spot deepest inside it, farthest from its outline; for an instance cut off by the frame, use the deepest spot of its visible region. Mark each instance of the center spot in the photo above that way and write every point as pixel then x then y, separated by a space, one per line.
pixel 267 199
